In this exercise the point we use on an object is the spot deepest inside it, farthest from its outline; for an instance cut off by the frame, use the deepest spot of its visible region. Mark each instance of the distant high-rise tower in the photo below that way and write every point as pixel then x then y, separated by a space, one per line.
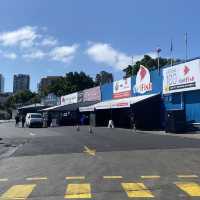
pixel 21 82
pixel 2 80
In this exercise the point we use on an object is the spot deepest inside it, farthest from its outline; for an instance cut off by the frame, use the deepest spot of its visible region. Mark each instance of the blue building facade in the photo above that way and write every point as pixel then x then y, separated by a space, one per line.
pixel 184 100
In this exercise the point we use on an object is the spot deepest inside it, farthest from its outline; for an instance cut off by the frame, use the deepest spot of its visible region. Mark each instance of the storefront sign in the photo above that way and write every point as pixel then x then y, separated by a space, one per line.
pixel 122 88
pixel 50 100
pixel 182 77
pixel 69 99
pixel 122 104
pixel 143 81
pixel 113 104
pixel 92 94
pixel 80 96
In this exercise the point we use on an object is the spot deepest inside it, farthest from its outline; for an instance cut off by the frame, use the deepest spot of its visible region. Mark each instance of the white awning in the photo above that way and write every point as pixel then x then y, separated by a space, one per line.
pixel 116 103
pixel 69 107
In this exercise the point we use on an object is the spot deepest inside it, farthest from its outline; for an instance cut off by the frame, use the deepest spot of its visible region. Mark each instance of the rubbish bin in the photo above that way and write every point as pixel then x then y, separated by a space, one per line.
pixel 175 121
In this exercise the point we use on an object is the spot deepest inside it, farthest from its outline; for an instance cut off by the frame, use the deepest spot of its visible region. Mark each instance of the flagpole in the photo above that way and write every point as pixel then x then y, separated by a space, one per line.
pixel 186 47
pixel 158 50
pixel 171 52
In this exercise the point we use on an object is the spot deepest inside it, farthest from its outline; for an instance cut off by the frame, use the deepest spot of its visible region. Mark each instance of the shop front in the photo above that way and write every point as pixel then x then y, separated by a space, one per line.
pixel 133 100
pixel 67 113
pixel 181 92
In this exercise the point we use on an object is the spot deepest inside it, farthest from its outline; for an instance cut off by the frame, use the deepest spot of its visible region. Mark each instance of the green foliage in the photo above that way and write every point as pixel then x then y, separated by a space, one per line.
pixel 72 82
pixel 149 63
pixel 103 77
pixel 21 98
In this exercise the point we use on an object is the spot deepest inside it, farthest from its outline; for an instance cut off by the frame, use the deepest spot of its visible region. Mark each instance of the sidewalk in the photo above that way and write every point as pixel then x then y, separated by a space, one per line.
pixel 7 121
pixel 192 135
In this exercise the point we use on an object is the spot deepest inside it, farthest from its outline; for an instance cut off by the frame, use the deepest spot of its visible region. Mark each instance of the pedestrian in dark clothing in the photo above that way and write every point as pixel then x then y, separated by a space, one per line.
pixel 132 121
pixel 23 120
pixel 49 121
pixel 17 121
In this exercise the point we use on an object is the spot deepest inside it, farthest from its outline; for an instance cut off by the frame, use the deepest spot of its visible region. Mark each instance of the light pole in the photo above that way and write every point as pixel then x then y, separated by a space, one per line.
pixel 158 50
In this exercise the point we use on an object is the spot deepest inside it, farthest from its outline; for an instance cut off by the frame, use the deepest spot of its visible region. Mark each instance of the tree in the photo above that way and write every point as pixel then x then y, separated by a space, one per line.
pixel 149 63
pixel 103 77
pixel 21 98
pixel 72 82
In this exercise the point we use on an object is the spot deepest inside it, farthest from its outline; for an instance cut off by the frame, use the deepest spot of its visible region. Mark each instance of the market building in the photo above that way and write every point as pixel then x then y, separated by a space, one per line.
pixel 168 99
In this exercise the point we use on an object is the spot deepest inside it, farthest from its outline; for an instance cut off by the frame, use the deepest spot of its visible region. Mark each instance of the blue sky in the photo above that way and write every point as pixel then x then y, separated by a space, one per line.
pixel 51 37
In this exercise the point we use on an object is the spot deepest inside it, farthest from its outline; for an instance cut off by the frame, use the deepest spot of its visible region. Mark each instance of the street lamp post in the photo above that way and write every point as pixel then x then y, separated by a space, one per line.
pixel 158 50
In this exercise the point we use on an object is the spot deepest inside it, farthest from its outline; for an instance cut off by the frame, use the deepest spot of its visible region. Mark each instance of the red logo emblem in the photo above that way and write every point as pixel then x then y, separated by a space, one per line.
pixel 186 70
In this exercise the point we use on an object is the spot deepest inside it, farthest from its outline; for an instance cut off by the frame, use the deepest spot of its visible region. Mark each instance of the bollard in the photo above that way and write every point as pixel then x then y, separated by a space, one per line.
pixel 134 128
pixel 90 130
pixel 77 128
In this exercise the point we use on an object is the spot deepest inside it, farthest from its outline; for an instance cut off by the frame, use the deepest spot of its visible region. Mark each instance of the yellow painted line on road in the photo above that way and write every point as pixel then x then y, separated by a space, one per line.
pixel 78 191
pixel 36 178
pixel 191 188
pixel 3 179
pixel 91 152
pixel 187 176
pixel 75 177
pixel 18 192
pixel 136 190
pixel 112 177
pixel 150 177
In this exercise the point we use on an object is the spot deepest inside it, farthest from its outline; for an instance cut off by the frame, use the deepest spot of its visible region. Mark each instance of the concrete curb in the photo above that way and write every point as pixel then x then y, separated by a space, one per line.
pixel 193 135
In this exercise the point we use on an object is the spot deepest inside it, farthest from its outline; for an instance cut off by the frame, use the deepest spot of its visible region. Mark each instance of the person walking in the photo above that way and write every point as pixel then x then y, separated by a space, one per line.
pixel 17 120
pixel 23 120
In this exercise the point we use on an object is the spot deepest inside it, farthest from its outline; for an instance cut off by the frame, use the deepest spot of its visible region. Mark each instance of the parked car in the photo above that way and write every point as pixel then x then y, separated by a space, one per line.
pixel 34 120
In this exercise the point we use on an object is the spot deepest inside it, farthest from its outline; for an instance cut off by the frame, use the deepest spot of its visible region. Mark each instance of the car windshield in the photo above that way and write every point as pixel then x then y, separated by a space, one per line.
pixel 36 116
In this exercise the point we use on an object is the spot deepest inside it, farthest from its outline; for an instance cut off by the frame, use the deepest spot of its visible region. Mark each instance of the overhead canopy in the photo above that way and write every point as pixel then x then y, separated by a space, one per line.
pixel 118 103
pixel 69 107
pixel 36 105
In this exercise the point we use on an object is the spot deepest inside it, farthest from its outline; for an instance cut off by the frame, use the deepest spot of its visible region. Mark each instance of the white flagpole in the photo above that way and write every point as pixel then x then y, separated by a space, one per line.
pixel 186 47
pixel 171 52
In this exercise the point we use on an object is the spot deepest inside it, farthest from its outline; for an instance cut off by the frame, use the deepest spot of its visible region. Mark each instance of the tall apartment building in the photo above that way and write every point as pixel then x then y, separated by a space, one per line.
pixel 21 82
pixel 2 82
pixel 46 82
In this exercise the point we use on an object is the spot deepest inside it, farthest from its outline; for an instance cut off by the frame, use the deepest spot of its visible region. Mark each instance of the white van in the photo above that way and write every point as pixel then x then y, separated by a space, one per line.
pixel 34 120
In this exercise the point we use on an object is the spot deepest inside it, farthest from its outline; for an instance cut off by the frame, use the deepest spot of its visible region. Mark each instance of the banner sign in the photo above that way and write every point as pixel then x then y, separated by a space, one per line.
pixel 92 94
pixel 143 81
pixel 113 104
pixel 122 104
pixel 80 96
pixel 182 77
pixel 50 100
pixel 122 88
pixel 69 99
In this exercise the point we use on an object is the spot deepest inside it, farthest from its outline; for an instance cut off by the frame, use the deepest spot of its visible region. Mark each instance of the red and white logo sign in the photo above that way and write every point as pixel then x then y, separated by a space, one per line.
pixel 143 81
pixel 69 99
pixel 182 77
pixel 122 88
pixel 186 70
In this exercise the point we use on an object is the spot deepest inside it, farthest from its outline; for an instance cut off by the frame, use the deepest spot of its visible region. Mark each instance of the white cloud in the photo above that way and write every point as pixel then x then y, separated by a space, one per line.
pixel 23 36
pixel 11 56
pixel 63 53
pixel 8 55
pixel 104 53
pixel 49 41
pixel 37 54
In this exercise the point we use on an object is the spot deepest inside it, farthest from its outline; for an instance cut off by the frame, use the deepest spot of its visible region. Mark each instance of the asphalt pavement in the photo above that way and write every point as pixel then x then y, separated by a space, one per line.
pixel 63 163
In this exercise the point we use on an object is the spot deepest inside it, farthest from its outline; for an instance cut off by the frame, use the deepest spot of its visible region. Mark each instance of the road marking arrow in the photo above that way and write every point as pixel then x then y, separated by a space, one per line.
pixel 91 152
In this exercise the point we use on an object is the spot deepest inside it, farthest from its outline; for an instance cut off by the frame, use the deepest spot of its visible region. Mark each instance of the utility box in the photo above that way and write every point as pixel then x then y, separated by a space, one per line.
pixel 175 121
